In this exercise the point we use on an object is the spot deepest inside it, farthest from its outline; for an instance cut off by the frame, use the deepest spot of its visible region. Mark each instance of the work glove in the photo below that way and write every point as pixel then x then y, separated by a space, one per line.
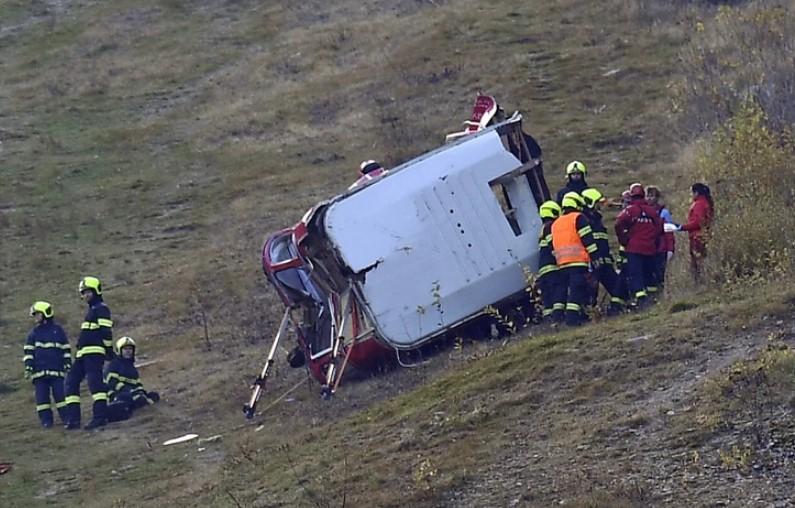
pixel 153 396
pixel 668 256
pixel 28 373
pixel 670 227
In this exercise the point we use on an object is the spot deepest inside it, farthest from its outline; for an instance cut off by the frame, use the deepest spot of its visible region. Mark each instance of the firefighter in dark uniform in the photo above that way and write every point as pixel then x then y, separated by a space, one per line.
pixel 640 229
pixel 575 180
pixel 125 390
pixel 573 244
pixel 47 359
pixel 601 261
pixel 552 291
pixel 621 255
pixel 93 346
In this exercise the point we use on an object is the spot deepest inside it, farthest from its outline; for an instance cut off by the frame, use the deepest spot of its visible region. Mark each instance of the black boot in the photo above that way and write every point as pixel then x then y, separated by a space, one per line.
pixel 96 423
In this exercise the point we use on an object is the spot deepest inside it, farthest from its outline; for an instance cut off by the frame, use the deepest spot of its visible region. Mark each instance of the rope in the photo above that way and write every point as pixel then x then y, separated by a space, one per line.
pixel 285 394
pixel 280 397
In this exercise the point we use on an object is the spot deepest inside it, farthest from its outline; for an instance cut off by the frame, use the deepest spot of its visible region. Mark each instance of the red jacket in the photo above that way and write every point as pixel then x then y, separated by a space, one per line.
pixel 639 228
pixel 699 219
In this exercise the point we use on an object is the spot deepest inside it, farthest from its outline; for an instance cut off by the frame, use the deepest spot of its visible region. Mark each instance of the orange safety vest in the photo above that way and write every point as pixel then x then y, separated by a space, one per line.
pixel 566 242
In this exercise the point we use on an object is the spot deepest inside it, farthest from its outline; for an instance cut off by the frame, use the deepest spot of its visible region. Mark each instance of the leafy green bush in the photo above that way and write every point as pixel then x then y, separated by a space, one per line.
pixel 752 171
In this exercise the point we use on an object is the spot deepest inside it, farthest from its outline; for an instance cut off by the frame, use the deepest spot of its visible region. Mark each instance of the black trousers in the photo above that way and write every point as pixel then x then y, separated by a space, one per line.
pixel 88 367
pixel 641 274
pixel 613 284
pixel 44 387
pixel 553 295
pixel 125 403
pixel 573 278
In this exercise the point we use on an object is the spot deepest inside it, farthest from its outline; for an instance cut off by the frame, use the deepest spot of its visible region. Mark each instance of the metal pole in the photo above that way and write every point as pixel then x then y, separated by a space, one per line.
pixel 259 384
pixel 328 389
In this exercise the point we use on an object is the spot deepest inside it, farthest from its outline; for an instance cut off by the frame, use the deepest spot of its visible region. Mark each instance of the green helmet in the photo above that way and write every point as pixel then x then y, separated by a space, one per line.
pixel 574 167
pixel 549 210
pixel 573 200
pixel 591 197
pixel 90 283
pixel 44 307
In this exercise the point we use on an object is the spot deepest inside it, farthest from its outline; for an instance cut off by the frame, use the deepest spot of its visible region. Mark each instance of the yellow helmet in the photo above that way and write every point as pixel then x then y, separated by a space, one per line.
pixel 90 283
pixel 574 167
pixel 591 197
pixel 549 210
pixel 122 343
pixel 44 307
pixel 573 200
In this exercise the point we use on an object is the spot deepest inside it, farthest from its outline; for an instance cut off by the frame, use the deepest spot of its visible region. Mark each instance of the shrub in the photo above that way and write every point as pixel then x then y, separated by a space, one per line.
pixel 752 173
pixel 744 53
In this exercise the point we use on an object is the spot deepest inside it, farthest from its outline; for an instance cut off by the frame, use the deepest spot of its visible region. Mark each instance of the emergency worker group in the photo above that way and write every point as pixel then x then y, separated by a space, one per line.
pixel 108 367
pixel 574 249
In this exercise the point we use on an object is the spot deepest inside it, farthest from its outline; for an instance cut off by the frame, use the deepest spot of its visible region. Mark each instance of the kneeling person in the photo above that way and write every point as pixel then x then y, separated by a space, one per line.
pixel 125 390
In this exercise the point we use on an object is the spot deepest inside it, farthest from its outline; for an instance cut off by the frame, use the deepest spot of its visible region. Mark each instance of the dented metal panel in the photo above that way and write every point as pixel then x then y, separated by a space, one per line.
pixel 432 241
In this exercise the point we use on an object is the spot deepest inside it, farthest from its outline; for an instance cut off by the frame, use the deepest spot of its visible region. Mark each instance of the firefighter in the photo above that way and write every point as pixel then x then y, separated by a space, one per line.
pixel 125 390
pixel 552 291
pixel 575 180
pixel 369 171
pixel 573 244
pixel 621 256
pixel 639 229
pixel 601 261
pixel 665 250
pixel 93 346
pixel 47 358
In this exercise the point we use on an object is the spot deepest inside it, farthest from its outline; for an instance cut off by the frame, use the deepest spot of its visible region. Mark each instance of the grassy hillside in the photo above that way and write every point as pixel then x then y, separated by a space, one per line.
pixel 155 143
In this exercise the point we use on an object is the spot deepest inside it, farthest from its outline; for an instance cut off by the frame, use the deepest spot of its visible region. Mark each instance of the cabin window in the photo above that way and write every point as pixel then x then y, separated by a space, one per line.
pixel 281 250
pixel 501 193
pixel 292 282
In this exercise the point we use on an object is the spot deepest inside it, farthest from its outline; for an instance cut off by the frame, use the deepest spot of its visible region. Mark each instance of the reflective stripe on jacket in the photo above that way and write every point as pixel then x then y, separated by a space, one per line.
pixel 572 240
pixel 121 376
pixel 546 258
pixel 96 332
pixel 599 235
pixel 47 351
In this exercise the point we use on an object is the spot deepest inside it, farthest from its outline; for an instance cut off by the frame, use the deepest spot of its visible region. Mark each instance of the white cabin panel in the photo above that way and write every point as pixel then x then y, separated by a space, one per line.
pixel 433 241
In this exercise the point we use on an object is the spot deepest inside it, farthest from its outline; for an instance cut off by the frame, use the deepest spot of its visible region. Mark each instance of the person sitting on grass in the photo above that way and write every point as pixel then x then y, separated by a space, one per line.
pixel 125 390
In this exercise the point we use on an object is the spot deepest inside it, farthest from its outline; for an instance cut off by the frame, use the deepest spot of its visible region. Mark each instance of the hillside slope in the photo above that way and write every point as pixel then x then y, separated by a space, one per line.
pixel 155 143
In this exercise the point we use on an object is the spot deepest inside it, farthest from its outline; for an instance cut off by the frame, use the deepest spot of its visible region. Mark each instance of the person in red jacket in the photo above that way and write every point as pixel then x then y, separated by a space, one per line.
pixel 699 219
pixel 665 250
pixel 639 229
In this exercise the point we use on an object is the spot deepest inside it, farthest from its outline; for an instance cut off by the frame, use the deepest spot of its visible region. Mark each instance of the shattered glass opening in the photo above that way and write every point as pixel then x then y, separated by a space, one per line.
pixel 501 193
